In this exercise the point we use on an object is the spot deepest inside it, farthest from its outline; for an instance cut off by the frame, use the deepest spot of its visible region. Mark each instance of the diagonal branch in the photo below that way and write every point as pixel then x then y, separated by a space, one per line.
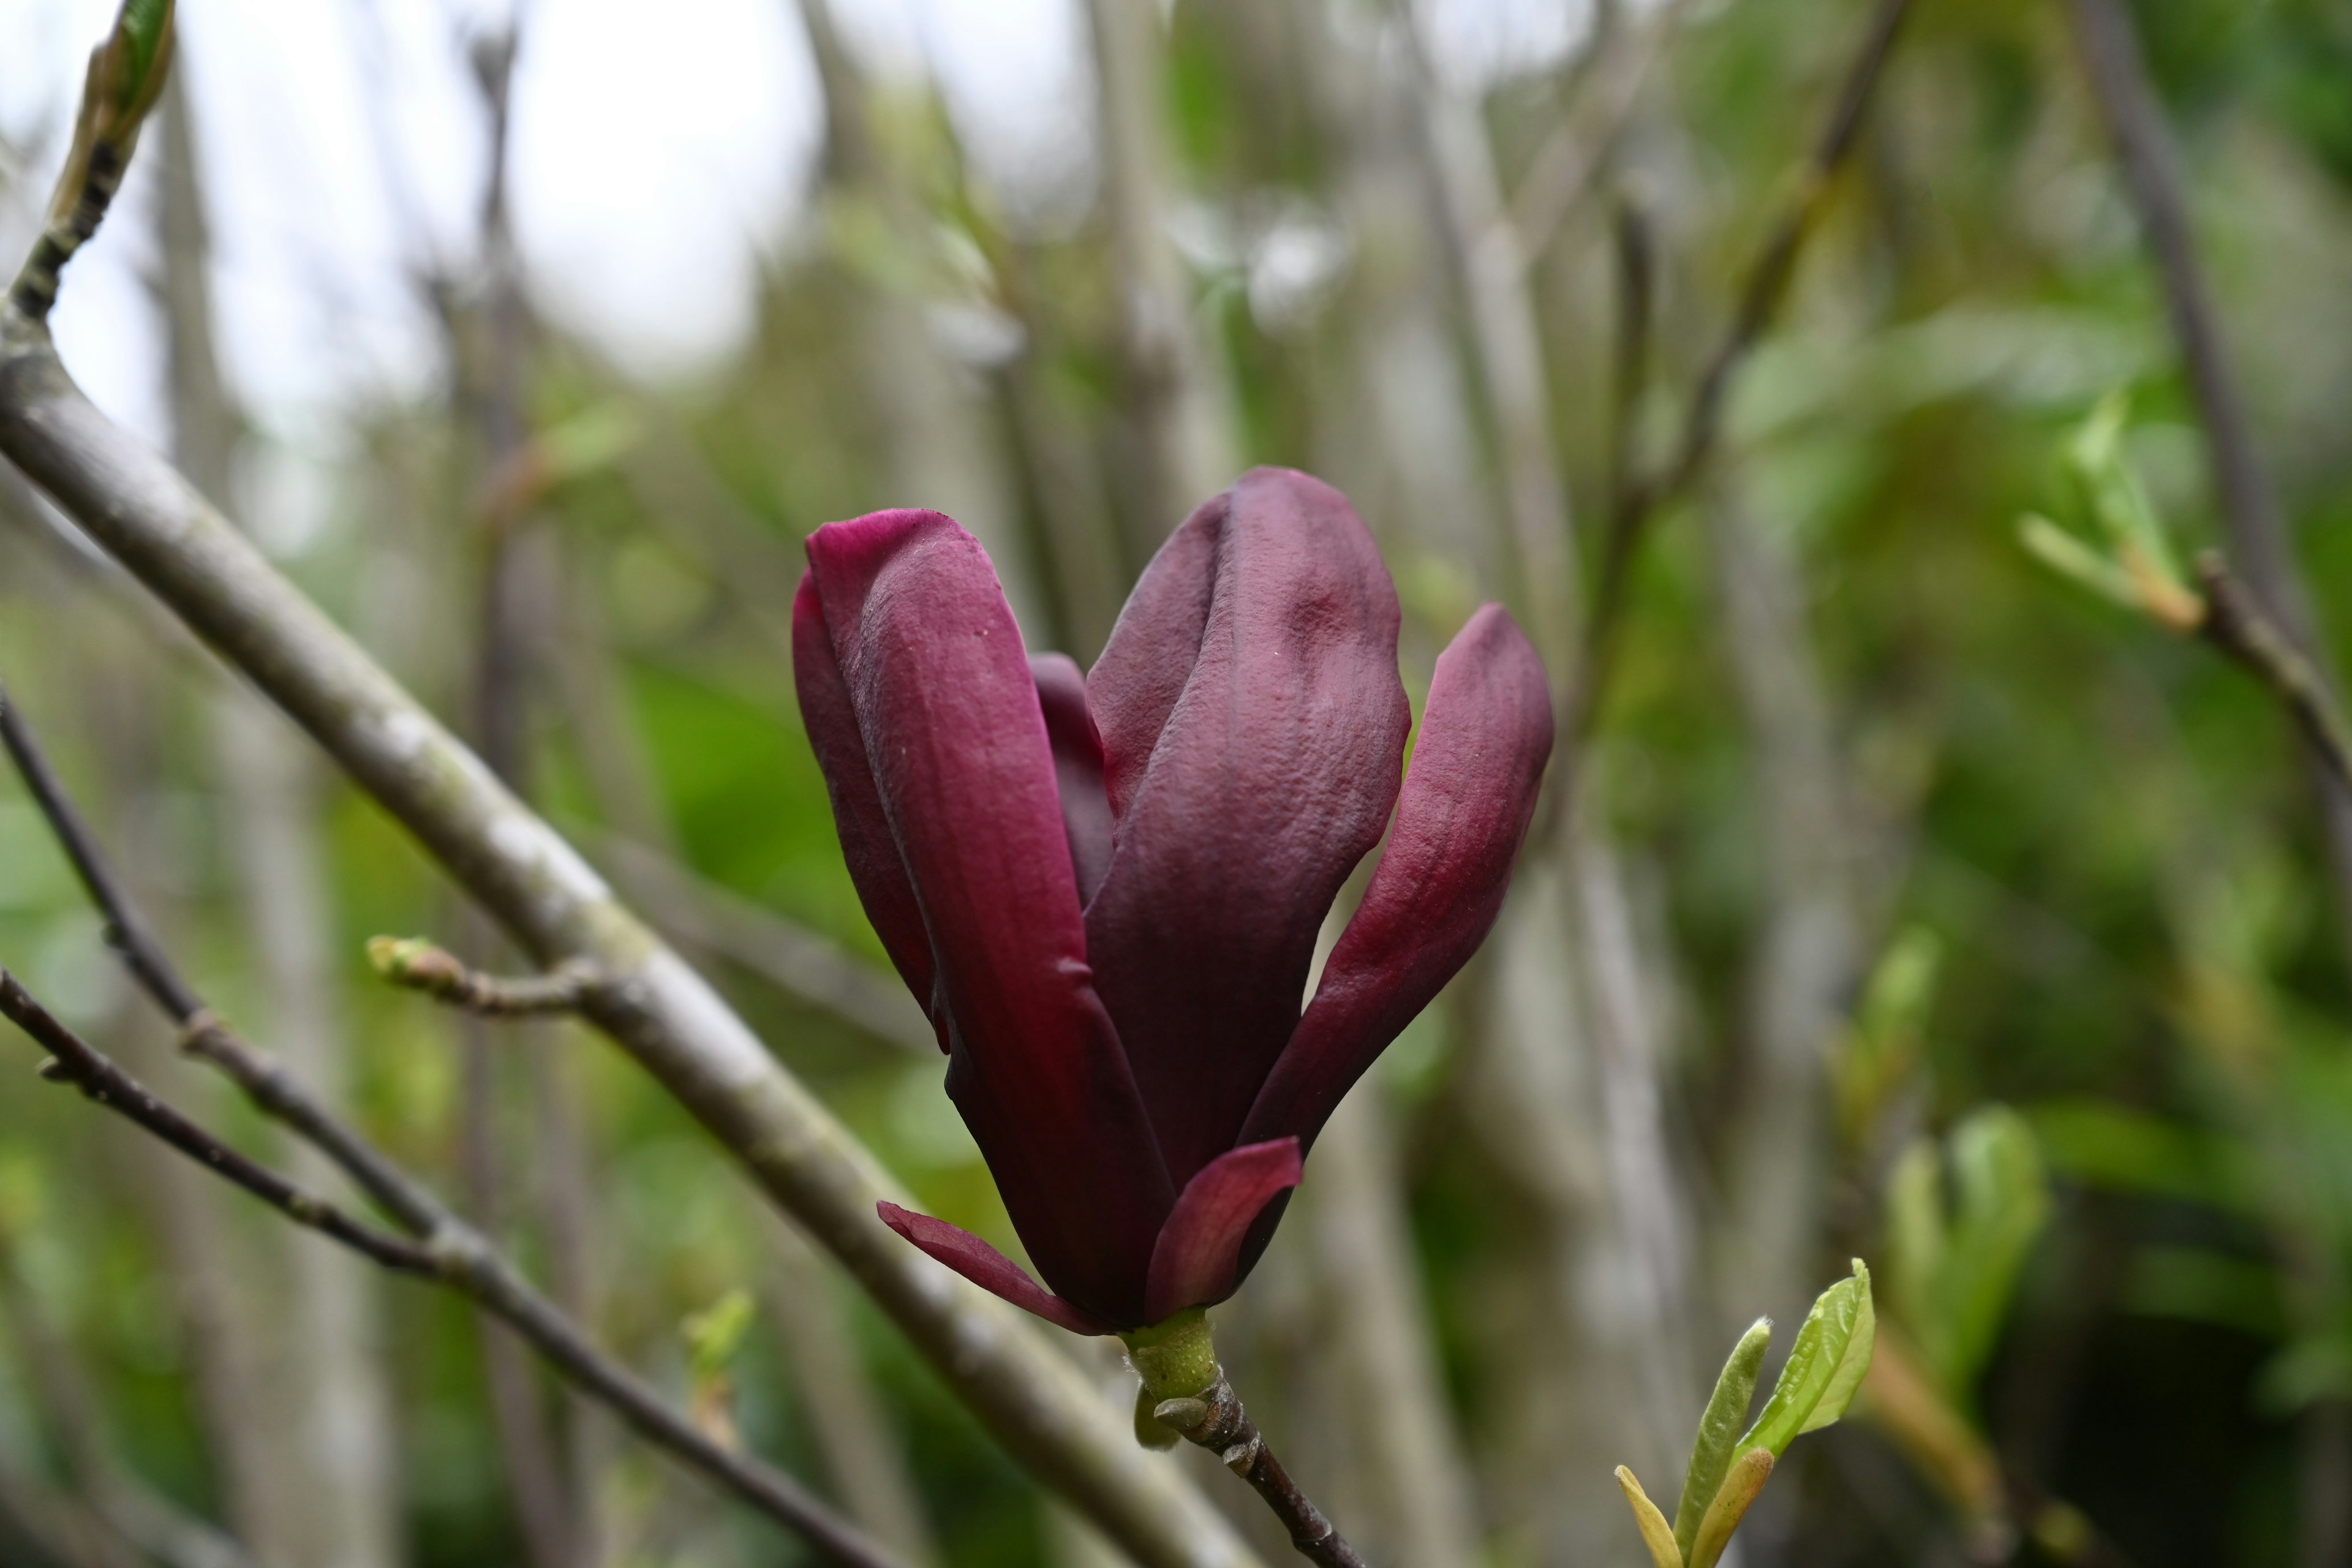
pixel 2235 622
pixel 446 1249
pixel 654 1006
pixel 74 1060
pixel 2258 536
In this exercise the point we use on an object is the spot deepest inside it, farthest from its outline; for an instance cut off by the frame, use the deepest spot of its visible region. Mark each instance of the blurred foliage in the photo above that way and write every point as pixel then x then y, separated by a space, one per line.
pixel 2093 1104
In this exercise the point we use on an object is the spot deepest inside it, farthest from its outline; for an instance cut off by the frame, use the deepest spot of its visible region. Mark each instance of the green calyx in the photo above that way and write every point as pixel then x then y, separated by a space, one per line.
pixel 1175 1357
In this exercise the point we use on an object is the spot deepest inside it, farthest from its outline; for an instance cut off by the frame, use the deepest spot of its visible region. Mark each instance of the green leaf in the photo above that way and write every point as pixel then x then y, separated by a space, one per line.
pixel 143 27
pixel 1665 1552
pixel 2002 1195
pixel 1902 984
pixel 1846 1380
pixel 2122 1150
pixel 2070 558
pixel 2108 493
pixel 1813 1360
pixel 713 1334
pixel 1719 1429
pixel 1916 1243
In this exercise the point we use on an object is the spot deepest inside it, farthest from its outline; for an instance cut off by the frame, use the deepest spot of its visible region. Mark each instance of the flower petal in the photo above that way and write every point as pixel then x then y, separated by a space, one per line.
pixel 1077 766
pixel 1143 667
pixel 874 868
pixel 1197 1262
pixel 1273 775
pixel 1440 883
pixel 987 1267
pixel 944 700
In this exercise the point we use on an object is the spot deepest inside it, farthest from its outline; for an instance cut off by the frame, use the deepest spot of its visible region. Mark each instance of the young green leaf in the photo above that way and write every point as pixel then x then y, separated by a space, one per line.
pixel 713 1334
pixel 2002 1194
pixel 1812 1361
pixel 1663 1552
pixel 1916 1240
pixel 144 28
pixel 1847 1378
pixel 1748 1474
pixel 2070 558
pixel 1719 1430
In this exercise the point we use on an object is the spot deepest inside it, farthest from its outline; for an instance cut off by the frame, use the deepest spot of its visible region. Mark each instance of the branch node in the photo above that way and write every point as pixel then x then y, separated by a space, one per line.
pixel 1184 1414
pixel 197 1029
pixel 417 964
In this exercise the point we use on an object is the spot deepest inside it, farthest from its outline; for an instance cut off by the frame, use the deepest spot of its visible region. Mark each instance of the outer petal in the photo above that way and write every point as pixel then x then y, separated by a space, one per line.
pixel 1198 1261
pixel 987 1267
pixel 1144 667
pixel 1440 883
pixel 875 866
pixel 1271 778
pixel 1077 766
pixel 935 672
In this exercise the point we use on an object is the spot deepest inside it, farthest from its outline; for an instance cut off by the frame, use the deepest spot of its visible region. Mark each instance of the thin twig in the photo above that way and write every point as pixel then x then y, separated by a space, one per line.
pixel 446 1249
pixel 416 964
pixel 1215 1420
pixel 2259 543
pixel 2236 623
pixel 669 1018
pixel 1561 172
pixel 75 1061
pixel 1760 296
pixel 1637 275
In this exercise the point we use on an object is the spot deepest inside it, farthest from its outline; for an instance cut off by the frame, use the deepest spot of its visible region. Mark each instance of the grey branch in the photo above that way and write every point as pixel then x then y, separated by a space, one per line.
pixel 446 1249
pixel 652 1004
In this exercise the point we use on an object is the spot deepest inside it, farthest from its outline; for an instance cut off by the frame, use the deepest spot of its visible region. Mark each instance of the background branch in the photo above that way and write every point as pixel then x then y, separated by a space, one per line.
pixel 666 1015
pixel 2236 623
pixel 446 1249
pixel 1640 500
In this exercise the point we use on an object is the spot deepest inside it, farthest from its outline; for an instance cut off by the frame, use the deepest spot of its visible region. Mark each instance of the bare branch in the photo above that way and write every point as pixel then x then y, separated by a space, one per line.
pixel 1561 173
pixel 454 1255
pixel 1767 280
pixel 1215 1420
pixel 415 964
pixel 75 1061
pixel 2236 623
pixel 2249 506
pixel 446 1249
pixel 654 1006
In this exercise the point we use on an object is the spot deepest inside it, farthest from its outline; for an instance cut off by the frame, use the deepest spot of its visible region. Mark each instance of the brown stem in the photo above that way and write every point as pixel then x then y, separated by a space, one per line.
pixel 2259 542
pixel 2236 623
pixel 1215 1420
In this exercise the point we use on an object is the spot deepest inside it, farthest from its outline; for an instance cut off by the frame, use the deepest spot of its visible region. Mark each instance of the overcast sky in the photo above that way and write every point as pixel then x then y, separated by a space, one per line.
pixel 661 153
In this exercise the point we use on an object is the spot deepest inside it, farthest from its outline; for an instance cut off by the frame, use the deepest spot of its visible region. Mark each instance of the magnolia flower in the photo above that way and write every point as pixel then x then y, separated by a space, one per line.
pixel 1106 888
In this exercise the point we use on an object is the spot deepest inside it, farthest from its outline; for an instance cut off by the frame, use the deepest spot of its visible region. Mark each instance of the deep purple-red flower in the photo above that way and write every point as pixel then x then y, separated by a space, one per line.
pixel 1105 888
